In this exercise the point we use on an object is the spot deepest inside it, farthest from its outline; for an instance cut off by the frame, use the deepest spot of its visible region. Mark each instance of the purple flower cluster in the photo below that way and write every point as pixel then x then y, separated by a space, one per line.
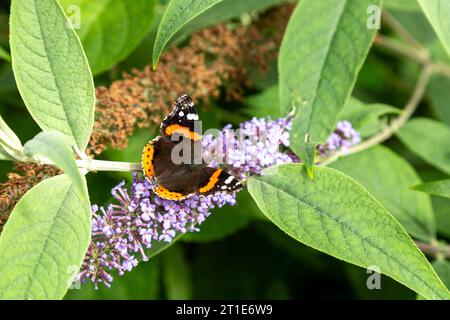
pixel 122 231
pixel 140 217
pixel 257 144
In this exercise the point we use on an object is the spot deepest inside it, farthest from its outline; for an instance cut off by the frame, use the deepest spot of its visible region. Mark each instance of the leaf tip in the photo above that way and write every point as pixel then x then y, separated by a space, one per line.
pixel 310 172
pixel 155 64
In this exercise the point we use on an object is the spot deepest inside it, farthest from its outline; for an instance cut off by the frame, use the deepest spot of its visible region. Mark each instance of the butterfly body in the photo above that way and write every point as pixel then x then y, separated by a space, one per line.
pixel 177 180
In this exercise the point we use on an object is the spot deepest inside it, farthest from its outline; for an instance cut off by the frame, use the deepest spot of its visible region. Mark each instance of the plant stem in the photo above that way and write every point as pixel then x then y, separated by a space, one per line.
pixel 396 124
pixel 91 165
pixel 400 30
pixel 419 55
pixel 415 51
pixel 434 249
pixel 442 69
pixel 399 48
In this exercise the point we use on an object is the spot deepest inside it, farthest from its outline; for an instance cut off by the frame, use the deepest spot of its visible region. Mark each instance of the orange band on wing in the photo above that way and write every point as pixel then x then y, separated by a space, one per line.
pixel 147 161
pixel 175 128
pixel 212 181
pixel 166 194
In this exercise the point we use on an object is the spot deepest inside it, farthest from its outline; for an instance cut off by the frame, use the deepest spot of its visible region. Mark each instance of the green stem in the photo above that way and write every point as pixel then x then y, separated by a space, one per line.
pixel 400 30
pixel 102 165
pixel 421 56
pixel 90 165
pixel 400 49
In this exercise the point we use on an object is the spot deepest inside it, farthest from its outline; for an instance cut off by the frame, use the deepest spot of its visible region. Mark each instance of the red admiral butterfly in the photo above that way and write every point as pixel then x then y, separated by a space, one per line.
pixel 179 181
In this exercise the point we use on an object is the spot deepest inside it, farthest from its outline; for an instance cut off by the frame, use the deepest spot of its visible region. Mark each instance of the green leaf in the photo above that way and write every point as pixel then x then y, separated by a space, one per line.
pixel 365 118
pixel 429 139
pixel 442 268
pixel 4 155
pixel 177 14
pixel 110 29
pixel 404 5
pixel 336 215
pixel 44 242
pixel 10 146
pixel 223 11
pixel 390 289
pixel 440 205
pixel 53 145
pixel 4 55
pixel 51 69
pixel 323 72
pixel 438 13
pixel 176 274
pixel 439 188
pixel 389 178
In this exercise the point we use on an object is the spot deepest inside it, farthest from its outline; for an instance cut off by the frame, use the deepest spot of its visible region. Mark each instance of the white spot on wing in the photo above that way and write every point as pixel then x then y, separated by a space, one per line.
pixel 181 113
pixel 229 179
pixel 192 116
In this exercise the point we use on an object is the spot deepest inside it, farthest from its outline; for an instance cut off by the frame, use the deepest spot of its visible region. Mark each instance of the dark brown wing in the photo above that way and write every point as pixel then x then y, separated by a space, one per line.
pixel 217 180
pixel 182 121
pixel 175 181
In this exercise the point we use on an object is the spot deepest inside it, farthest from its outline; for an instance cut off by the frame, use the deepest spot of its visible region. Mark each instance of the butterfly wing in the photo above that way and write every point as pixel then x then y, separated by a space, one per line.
pixel 171 181
pixel 214 180
pixel 182 121
pixel 179 181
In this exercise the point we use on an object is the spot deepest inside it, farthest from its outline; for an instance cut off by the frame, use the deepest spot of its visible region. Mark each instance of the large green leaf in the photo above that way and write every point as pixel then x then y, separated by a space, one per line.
pixel 10 145
pixel 389 178
pixel 177 14
pixel 438 13
pixel 176 274
pixel 336 215
pixel 439 188
pixel 44 242
pixel 429 139
pixel 111 29
pixel 53 145
pixel 51 69
pixel 324 47
pixel 440 204
pixel 442 268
